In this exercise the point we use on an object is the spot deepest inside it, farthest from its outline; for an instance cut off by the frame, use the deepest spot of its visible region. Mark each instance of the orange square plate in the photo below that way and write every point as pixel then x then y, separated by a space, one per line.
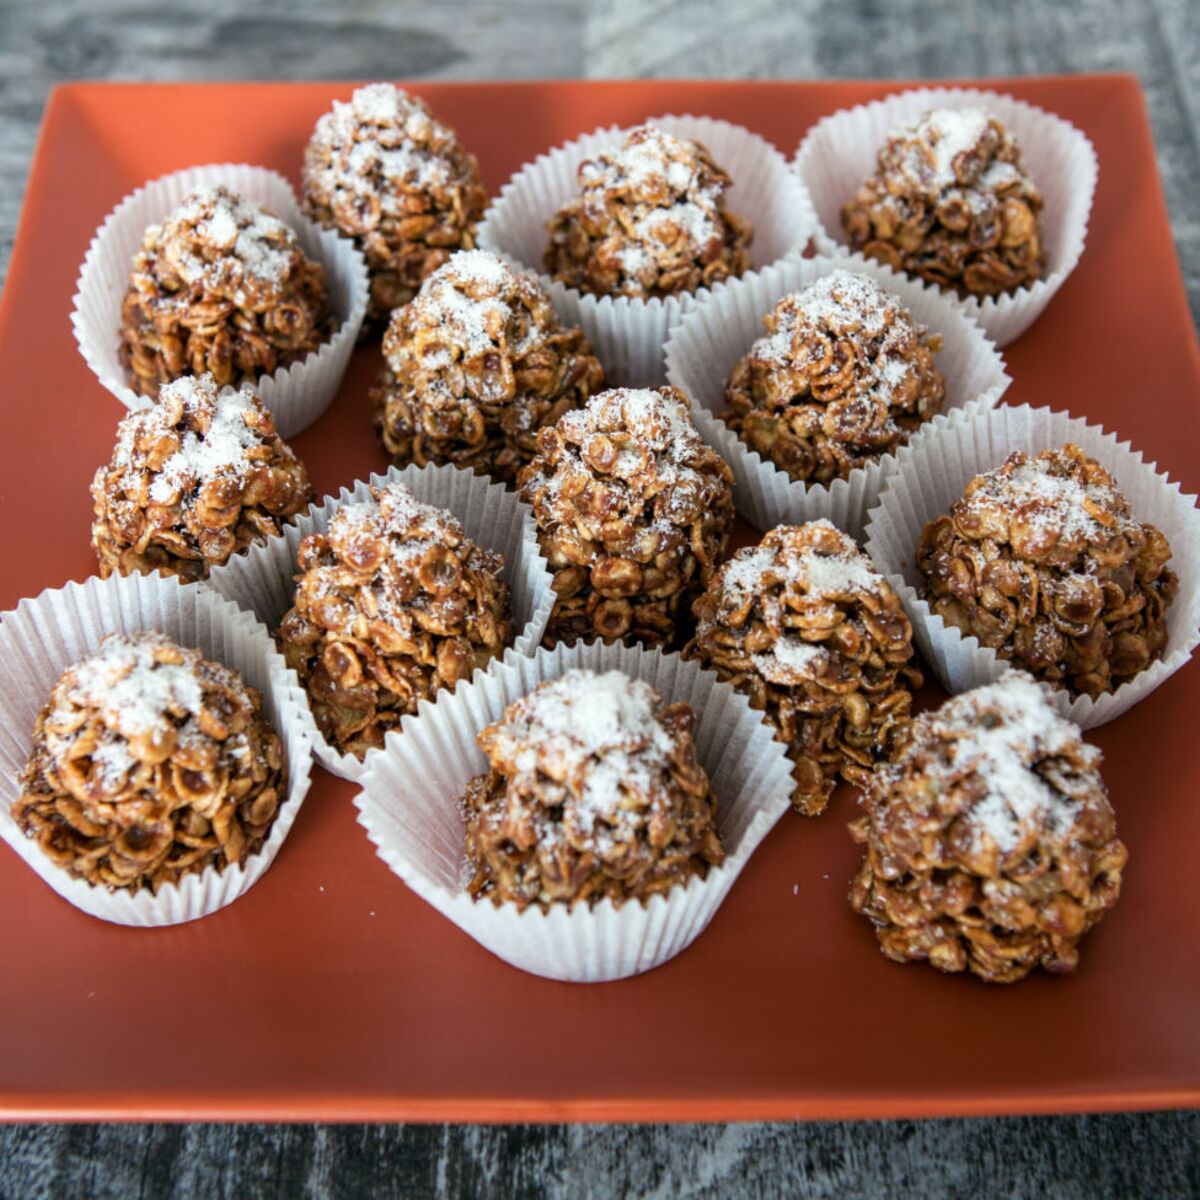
pixel 330 992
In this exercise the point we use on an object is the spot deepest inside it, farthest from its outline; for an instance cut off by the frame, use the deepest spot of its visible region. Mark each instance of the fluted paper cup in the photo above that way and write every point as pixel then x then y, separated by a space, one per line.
pixel 932 473
pixel 705 346
pixel 628 333
pixel 296 395
pixel 263 579
pixel 839 153
pixel 411 796
pixel 41 637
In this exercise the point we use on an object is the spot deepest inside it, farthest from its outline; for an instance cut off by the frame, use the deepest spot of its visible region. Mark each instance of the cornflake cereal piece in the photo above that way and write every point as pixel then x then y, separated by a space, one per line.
pixel 194 479
pixel 633 511
pixel 392 604
pixel 594 793
pixel 649 221
pixel 952 203
pixel 843 377
pixel 221 286
pixel 804 625
pixel 1042 561
pixel 150 763
pixel 990 842
pixel 384 172
pixel 476 365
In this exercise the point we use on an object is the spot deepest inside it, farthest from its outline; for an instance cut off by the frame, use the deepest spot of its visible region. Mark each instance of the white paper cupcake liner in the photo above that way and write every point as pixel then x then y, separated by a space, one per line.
pixel 839 153
pixel 704 347
pixel 263 579
pixel 628 334
pixel 296 395
pixel 409 806
pixel 932 473
pixel 41 637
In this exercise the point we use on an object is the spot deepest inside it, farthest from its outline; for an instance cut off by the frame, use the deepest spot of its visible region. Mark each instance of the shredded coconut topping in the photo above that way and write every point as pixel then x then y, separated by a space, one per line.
pixel 649 156
pixel 820 575
pixel 388 135
pixel 791 659
pixel 396 512
pixel 651 162
pixel 837 571
pixel 596 731
pixel 1051 500
pixel 851 307
pixel 463 297
pixel 218 451
pixel 841 302
pixel 998 734
pixel 137 695
pixel 661 429
pixel 950 153
pixel 951 132
pixel 408 528
pixel 386 104
pixel 248 241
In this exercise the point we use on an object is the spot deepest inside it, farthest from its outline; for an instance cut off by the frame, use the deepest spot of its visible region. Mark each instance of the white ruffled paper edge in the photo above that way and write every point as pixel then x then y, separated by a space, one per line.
pixel 296 395
pixel 41 637
pixel 932 473
pixel 627 333
pixel 263 579
pixel 409 806
pixel 840 152
pixel 704 348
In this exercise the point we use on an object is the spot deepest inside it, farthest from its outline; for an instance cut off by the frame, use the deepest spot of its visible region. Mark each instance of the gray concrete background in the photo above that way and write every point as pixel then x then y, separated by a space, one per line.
pixel 41 43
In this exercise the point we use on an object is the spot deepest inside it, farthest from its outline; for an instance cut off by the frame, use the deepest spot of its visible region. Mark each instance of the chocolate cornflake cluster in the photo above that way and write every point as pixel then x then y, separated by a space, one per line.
pixel 392 604
pixel 633 511
pixel 952 203
pixel 844 376
pixel 804 625
pixel 384 172
pixel 199 476
pixel 649 221
pixel 990 842
pixel 150 763
pixel 222 287
pixel 1043 561
pixel 593 793
pixel 476 365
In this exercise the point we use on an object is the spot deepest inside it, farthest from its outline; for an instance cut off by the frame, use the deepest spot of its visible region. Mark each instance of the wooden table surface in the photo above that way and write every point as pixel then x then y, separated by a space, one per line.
pixel 1121 1156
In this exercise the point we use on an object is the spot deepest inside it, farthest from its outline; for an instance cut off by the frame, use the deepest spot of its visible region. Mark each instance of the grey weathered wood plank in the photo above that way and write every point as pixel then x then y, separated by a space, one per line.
pixel 1070 1158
